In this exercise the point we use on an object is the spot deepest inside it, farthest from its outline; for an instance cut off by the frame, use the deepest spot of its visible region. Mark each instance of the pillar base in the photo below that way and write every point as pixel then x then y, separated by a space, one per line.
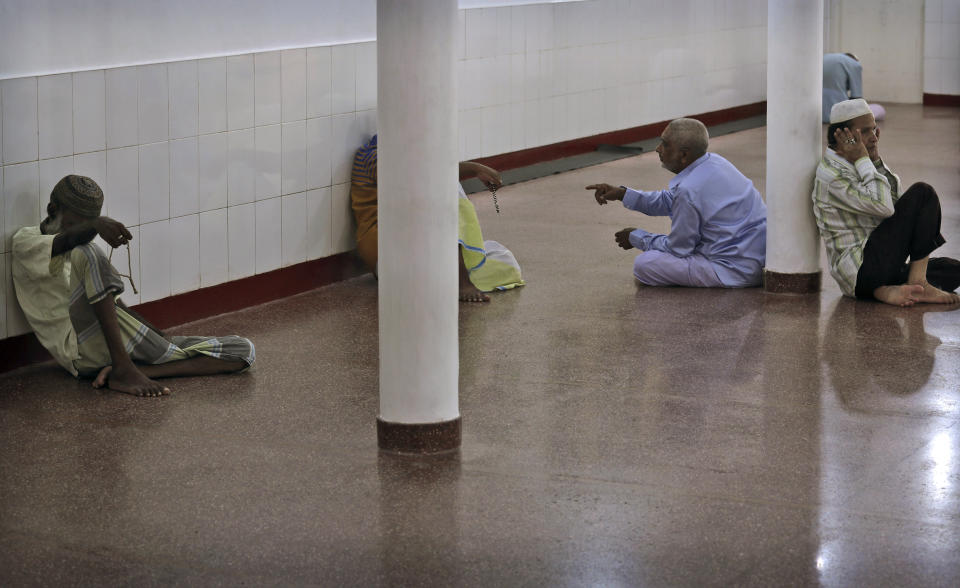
pixel 779 283
pixel 418 438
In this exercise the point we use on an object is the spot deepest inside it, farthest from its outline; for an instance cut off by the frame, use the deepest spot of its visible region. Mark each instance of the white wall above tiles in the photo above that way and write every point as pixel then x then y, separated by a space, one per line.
pixel 40 37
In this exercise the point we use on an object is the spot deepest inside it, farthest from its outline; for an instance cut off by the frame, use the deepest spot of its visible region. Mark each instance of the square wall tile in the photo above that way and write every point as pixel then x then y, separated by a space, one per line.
pixel 495 129
pixel 184 254
pixel 240 93
pixel 346 138
pixel 293 173
pixel 154 103
pixel 3 294
pixel 1 127
pixel 241 167
pixel 16 322
pixel 21 199
pixel 184 98
pixel 89 111
pixel 94 166
pixel 55 115
pixel 481 32
pixel 951 76
pixel 51 172
pixel 212 95
pixel 318 152
pixel 951 12
pixel 950 42
pixel 20 135
pixel 366 64
pixel 269 146
pixel 267 94
pixel 318 234
pixel 123 182
pixel 319 90
pixel 471 134
pixel 517 138
pixel 184 177
pixel 343 79
pixel 212 171
pixel 294 229
pixel 154 182
pixel 367 125
pixel 241 241
pixel 213 248
pixel 122 95
pixel 293 79
pixel 344 230
pixel 155 256
pixel 268 230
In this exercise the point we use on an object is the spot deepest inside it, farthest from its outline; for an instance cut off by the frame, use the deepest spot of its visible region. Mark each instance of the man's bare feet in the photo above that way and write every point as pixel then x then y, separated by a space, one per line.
pixel 470 293
pixel 133 382
pixel 932 295
pixel 902 295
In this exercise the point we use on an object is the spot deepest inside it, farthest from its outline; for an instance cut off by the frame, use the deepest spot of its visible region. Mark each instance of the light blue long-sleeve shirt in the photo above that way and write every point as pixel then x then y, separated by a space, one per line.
pixel 715 212
pixel 842 80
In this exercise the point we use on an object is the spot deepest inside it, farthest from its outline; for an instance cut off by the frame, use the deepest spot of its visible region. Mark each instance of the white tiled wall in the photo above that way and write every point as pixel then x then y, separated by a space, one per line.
pixel 941 47
pixel 232 166
pixel 542 73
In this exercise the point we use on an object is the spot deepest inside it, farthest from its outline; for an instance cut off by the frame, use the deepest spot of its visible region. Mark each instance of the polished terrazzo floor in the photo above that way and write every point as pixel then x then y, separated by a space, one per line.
pixel 611 435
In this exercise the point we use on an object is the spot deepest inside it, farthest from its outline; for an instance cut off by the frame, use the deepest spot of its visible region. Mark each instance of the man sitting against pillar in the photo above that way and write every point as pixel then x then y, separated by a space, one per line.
pixel 718 236
pixel 485 266
pixel 869 227
pixel 67 290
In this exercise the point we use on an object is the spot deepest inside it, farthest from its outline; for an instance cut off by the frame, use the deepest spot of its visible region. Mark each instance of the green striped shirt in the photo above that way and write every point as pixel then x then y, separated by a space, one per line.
pixel 849 201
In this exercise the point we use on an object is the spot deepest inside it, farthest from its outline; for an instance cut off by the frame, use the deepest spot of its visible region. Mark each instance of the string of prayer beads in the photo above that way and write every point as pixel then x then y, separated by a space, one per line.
pixel 129 274
pixel 496 204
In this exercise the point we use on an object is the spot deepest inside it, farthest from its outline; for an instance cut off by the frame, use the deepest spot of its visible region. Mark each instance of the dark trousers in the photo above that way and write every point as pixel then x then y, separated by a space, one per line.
pixel 912 232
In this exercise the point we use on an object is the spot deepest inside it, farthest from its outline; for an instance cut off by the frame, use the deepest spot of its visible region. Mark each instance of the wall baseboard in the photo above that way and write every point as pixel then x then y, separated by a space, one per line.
pixel 582 145
pixel 25 349
pixel 941 100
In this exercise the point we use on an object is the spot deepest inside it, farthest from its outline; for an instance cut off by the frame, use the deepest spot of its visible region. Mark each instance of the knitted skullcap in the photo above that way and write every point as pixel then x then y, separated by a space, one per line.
pixel 78 193
pixel 849 110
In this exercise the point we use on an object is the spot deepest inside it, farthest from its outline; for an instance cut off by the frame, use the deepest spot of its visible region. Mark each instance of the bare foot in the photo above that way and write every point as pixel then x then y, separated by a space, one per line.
pixel 933 295
pixel 902 295
pixel 133 382
pixel 470 293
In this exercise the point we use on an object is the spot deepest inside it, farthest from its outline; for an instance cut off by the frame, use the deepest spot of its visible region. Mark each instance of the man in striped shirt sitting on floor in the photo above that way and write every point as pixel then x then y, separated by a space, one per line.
pixel 68 292
pixel 869 227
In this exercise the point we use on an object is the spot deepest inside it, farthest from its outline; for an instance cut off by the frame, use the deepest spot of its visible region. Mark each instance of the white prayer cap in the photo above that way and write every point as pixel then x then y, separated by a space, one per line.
pixel 849 110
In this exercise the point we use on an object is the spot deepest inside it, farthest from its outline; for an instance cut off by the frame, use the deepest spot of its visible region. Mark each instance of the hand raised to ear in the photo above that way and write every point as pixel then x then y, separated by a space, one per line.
pixel 850 144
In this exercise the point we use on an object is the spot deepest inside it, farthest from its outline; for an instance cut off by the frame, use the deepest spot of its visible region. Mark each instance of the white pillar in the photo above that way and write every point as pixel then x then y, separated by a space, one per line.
pixel 417 224
pixel 794 94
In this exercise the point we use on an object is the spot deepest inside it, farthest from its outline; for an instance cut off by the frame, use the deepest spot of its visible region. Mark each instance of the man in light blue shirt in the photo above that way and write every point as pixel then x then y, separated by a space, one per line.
pixel 718 234
pixel 842 80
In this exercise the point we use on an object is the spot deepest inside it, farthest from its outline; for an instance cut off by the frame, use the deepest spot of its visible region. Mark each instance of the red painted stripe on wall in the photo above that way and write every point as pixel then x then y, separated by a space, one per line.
pixel 941 100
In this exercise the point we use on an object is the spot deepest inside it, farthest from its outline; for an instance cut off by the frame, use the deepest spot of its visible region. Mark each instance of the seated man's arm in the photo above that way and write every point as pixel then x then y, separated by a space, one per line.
pixel 684 232
pixel 870 194
pixel 113 232
pixel 486 174
pixel 655 203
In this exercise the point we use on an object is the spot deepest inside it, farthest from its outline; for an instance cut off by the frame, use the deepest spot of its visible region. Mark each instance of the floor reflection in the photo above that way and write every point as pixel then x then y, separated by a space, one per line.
pixel 873 348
